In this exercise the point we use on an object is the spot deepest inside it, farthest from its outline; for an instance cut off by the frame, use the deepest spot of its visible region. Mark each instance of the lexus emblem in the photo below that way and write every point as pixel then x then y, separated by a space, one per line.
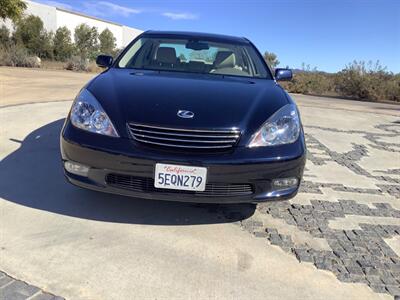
pixel 186 114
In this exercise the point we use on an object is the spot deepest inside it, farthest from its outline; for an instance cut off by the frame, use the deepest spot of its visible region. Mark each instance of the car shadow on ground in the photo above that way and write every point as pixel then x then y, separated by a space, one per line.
pixel 32 176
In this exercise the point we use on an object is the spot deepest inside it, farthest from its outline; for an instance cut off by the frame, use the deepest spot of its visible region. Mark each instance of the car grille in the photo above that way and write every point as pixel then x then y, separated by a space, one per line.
pixel 143 184
pixel 184 138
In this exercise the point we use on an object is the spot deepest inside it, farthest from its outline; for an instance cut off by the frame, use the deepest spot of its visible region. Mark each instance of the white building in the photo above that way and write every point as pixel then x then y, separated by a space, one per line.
pixel 55 17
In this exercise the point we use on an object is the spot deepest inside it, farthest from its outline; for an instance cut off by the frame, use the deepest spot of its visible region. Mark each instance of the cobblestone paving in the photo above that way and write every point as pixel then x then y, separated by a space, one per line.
pixel 13 289
pixel 350 228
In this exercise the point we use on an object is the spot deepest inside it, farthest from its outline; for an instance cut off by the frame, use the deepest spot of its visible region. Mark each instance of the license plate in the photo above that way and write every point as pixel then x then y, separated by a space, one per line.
pixel 180 177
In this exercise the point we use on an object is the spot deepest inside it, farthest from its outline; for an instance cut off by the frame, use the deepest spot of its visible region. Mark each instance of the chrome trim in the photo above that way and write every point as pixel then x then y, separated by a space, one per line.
pixel 184 134
pixel 191 138
pixel 233 130
pixel 181 146
pixel 185 114
pixel 185 141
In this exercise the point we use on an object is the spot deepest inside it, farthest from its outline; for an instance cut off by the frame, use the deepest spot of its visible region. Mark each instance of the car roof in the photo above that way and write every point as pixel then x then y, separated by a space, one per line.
pixel 197 35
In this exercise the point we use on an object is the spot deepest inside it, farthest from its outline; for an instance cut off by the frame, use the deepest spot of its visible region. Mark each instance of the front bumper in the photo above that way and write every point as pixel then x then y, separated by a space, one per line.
pixel 129 159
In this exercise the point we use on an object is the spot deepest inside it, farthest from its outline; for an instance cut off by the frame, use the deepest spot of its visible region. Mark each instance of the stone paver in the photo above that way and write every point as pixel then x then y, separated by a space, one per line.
pixel 360 254
pixel 13 289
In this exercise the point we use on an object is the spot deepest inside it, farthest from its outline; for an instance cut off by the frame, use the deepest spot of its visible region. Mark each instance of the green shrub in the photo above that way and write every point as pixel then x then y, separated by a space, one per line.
pixel 311 83
pixel 367 81
pixel 393 88
pixel 15 55
pixel 358 80
pixel 76 63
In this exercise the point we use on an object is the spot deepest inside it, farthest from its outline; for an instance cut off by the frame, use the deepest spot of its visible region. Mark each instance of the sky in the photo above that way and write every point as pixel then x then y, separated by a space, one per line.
pixel 324 34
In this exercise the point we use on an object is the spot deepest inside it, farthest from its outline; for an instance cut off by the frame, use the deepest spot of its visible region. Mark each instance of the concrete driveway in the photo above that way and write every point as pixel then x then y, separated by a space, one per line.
pixel 338 239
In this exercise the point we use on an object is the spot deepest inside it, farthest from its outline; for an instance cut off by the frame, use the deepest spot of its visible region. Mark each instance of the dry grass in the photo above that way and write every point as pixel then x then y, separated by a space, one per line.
pixel 52 65
pixel 59 65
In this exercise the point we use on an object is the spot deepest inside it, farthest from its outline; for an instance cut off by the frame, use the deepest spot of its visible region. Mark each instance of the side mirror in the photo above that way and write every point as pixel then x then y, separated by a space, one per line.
pixel 283 74
pixel 104 61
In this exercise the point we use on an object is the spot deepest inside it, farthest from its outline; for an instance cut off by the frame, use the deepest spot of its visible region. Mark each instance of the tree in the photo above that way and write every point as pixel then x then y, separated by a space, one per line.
pixel 63 47
pixel 30 32
pixel 203 55
pixel 182 57
pixel 47 45
pixel 86 41
pixel 107 42
pixel 4 36
pixel 271 59
pixel 12 9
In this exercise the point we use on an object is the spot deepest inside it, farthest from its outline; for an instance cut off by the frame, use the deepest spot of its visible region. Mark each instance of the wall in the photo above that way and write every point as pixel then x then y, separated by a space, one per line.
pixel 54 18
pixel 45 12
pixel 128 34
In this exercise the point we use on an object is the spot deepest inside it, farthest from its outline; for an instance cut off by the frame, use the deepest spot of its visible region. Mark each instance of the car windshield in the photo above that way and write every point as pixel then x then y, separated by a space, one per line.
pixel 194 56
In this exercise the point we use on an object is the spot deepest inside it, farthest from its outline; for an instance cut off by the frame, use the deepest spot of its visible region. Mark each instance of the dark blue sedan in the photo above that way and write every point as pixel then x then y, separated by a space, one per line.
pixel 186 117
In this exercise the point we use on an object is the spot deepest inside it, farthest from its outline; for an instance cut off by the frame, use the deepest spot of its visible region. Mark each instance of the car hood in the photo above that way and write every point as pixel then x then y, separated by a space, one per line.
pixel 154 98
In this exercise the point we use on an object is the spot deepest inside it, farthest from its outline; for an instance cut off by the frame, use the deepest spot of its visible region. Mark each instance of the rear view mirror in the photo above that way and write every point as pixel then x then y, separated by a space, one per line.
pixel 195 45
pixel 283 74
pixel 104 61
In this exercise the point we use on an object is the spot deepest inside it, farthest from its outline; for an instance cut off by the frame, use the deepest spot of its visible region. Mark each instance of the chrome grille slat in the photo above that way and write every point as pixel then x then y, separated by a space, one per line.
pixel 184 129
pixel 181 146
pixel 184 134
pixel 183 137
pixel 184 140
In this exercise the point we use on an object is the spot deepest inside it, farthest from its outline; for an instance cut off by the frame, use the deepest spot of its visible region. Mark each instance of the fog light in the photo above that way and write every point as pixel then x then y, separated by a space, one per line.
pixel 76 168
pixel 283 183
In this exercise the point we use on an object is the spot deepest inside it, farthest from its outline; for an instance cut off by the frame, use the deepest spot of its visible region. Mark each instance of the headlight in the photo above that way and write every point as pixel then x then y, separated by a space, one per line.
pixel 283 127
pixel 87 114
